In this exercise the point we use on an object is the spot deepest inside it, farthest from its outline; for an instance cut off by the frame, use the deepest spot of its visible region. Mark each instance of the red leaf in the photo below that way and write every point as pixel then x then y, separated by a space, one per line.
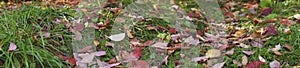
pixel 72 61
pixel 267 11
pixel 285 22
pixel 137 53
pixel 229 14
pixel 147 43
pixel 255 64
pixel 271 30
pixel 172 30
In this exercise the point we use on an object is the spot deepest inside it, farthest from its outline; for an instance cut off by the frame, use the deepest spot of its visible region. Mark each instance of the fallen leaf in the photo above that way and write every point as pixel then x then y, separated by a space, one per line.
pixel 129 34
pixel 85 49
pixel 99 53
pixel 287 30
pixel 297 16
pixel 285 22
pixel 277 47
pixel 147 43
pixel 271 30
pixel 121 20
pixel 288 46
pixel 137 53
pixel 12 47
pixel 96 42
pixel 79 27
pixel 46 34
pixel 261 59
pixel 237 63
pixel 172 30
pixel 160 45
pixel 277 53
pixel 274 64
pixel 267 11
pixel 141 64
pixel 230 52
pixel 191 40
pixel 219 65
pixel 229 14
pixel 106 65
pixel 202 58
pixel 255 64
pixel 87 58
pixel 212 53
pixel 249 52
pixel 244 60
pixel 257 42
pixel 117 37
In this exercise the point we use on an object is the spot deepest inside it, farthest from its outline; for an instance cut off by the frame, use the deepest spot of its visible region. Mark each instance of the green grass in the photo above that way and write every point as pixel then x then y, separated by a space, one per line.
pixel 19 26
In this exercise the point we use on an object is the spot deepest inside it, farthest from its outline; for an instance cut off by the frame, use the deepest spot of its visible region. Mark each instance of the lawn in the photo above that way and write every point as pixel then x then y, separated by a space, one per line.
pixel 150 34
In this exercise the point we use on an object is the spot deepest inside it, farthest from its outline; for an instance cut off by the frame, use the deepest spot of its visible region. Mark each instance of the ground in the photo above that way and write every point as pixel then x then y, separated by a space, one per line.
pixel 258 34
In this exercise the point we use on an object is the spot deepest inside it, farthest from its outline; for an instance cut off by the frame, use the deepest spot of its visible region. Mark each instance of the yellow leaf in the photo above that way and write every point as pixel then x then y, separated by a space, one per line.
pixel 212 53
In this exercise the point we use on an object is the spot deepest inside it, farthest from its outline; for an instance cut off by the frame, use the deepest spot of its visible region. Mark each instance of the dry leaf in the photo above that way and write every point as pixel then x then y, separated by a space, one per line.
pixel 274 64
pixel 85 49
pixel 12 46
pixel 277 53
pixel 46 34
pixel 117 37
pixel 255 64
pixel 202 58
pixel 230 52
pixel 96 42
pixel 99 53
pixel 219 65
pixel 297 16
pixel 249 52
pixel 288 46
pixel 237 63
pixel 261 59
pixel 212 53
pixel 287 30
pixel 244 60
pixel 277 47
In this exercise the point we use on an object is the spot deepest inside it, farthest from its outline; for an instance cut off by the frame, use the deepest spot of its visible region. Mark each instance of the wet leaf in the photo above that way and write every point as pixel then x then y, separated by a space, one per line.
pixel 274 64
pixel 255 64
pixel 117 37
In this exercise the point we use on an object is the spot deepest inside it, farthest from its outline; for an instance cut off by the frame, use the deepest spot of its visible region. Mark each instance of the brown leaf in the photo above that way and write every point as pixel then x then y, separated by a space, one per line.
pixel 79 27
pixel 288 46
pixel 277 53
pixel 229 14
pixel 141 64
pixel 85 49
pixel 244 60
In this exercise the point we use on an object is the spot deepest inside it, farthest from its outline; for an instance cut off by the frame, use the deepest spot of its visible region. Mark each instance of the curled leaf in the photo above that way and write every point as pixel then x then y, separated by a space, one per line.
pixel 261 59
pixel 117 37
